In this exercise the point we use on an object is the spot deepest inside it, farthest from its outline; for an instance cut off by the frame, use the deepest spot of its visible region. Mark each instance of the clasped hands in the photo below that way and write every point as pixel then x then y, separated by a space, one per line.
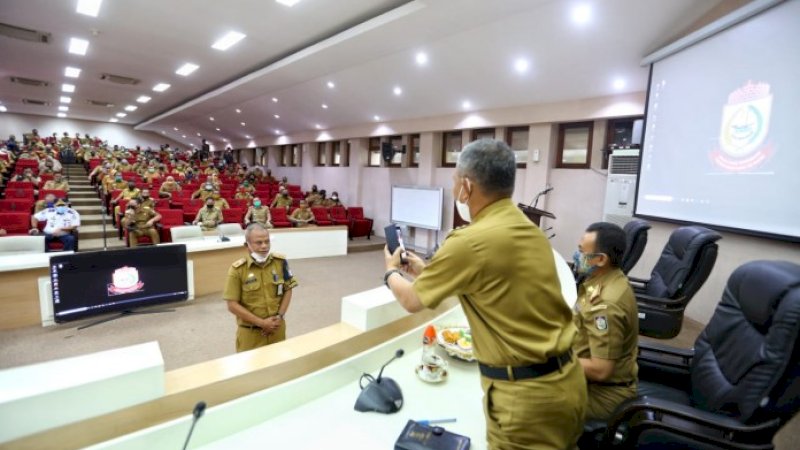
pixel 270 325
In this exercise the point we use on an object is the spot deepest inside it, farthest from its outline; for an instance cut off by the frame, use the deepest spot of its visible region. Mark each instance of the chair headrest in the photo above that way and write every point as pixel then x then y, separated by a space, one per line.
pixel 759 287
pixel 688 239
pixel 636 226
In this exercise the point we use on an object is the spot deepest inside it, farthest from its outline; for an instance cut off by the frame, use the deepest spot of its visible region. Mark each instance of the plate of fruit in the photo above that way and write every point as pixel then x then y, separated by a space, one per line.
pixel 456 341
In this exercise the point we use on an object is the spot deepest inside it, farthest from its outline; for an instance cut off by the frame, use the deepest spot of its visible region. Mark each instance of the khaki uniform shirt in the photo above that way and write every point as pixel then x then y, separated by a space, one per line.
pixel 128 194
pixel 202 194
pixel 300 214
pixel 260 215
pixel 169 187
pixel 281 201
pixel 329 203
pixel 221 203
pixel 208 219
pixel 52 185
pixel 259 288
pixel 140 217
pixel 150 203
pixel 114 185
pixel 243 195
pixel 502 268
pixel 607 319
pixel 313 199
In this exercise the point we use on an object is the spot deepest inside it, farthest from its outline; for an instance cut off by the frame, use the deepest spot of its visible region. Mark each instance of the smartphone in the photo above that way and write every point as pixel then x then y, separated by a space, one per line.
pixel 394 239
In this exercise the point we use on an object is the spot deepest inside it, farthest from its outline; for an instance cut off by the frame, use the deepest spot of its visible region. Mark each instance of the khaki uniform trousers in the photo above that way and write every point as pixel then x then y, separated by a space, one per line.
pixel 603 400
pixel 536 413
pixel 151 232
pixel 250 338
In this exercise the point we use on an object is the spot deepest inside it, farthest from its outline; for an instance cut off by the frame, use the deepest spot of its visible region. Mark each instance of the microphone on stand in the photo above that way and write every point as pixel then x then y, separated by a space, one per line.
pixel 535 200
pixel 199 409
pixel 382 395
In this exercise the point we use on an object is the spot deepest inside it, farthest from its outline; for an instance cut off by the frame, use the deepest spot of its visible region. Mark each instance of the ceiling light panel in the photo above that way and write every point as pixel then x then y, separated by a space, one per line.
pixel 89 7
pixel 421 58
pixel 581 14
pixel 78 46
pixel 228 41
pixel 63 108
pixel 68 87
pixel 288 3
pixel 72 72
pixel 113 120
pixel 121 115
pixel 3 108
pixel 187 69
pixel 61 114
pixel 131 108
pixel 66 100
pixel 143 99
pixel 161 87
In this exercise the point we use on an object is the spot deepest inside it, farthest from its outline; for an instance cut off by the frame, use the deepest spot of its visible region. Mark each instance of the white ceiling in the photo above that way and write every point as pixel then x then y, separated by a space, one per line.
pixel 366 47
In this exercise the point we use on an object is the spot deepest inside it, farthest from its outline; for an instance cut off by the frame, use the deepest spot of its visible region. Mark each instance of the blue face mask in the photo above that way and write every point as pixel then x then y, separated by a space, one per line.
pixel 581 261
pixel 61 209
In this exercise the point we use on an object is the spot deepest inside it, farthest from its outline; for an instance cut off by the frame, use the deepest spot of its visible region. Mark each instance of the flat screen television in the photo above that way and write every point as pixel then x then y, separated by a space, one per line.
pixel 93 283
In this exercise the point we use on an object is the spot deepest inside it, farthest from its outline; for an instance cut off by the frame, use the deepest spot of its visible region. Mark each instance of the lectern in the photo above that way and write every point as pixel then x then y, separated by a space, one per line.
pixel 535 214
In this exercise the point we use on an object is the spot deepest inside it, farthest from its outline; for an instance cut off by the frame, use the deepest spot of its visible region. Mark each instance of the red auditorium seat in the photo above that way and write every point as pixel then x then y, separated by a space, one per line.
pixel 15 223
pixel 321 216
pixel 359 225
pixel 339 215
pixel 233 215
pixel 57 192
pixel 279 218
pixel 16 205
pixel 190 208
pixel 20 185
pixel 170 218
pixel 19 193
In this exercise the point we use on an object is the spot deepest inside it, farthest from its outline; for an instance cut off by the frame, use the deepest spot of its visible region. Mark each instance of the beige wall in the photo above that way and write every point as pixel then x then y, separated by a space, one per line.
pixel 114 133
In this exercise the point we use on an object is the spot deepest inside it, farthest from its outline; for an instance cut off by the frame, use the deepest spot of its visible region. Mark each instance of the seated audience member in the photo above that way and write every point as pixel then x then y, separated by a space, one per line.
pixel 27 175
pixel 607 320
pixel 48 202
pixel 11 144
pixel 140 221
pixel 242 194
pixel 113 181
pixel 205 191
pixel 219 201
pixel 247 185
pixel 130 191
pixel 302 216
pixel 58 183
pixel 209 217
pixel 168 188
pixel 150 174
pixel 258 213
pixel 282 200
pixel 313 196
pixel 332 201
pixel 59 224
pixel 50 163
pixel 146 200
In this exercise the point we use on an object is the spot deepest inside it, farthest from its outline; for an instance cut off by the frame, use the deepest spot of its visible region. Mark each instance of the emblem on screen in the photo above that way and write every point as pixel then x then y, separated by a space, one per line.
pixel 745 126
pixel 125 280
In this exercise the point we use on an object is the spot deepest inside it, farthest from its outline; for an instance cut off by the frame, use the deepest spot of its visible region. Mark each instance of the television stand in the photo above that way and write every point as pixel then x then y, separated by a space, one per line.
pixel 125 314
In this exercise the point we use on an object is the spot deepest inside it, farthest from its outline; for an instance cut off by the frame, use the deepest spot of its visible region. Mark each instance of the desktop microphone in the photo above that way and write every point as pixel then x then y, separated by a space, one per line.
pixel 199 409
pixel 535 200
pixel 382 395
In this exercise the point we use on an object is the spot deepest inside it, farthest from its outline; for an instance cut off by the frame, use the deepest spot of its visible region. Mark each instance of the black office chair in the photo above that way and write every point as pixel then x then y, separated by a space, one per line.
pixel 739 385
pixel 635 241
pixel 680 272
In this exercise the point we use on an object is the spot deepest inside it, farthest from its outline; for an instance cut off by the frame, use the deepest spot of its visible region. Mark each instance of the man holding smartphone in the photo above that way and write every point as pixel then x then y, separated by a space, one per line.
pixel 502 269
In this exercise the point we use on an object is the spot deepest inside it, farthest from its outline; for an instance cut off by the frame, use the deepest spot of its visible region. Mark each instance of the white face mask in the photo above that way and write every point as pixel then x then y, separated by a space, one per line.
pixel 463 208
pixel 258 258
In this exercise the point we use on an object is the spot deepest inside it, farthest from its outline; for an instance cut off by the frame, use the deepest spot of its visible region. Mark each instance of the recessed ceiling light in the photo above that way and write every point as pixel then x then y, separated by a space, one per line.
pixel 397 90
pixel 421 58
pixel 228 41
pixel 331 84
pixel 63 108
pixel 521 65
pixel 78 46
pixel 466 104
pixel 289 3
pixel 72 72
pixel 619 84
pixel 217 129
pixel 175 128
pixel 276 116
pixel 278 132
pixel 318 126
pixel 198 134
pixel 163 132
pixel 61 115
pixel 161 87
pixel 581 14
pixel 115 120
pixel 143 99
pixel 238 111
pixel 3 108
pixel 184 136
pixel 274 100
pixel 377 118
pixel 89 7
pixel 244 124
pixel 225 139
pixel 211 119
pixel 247 136
pixel 121 115
pixel 68 87
pixel 187 69
pixel 66 100
pixel 131 108
pixel 324 106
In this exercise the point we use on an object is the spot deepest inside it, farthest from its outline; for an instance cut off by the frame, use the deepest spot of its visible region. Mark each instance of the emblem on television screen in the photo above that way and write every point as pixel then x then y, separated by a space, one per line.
pixel 745 125
pixel 125 280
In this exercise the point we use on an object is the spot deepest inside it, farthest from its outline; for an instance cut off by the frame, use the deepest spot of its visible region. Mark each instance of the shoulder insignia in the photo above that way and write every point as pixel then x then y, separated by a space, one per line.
pixel 278 255
pixel 601 323
pixel 598 308
pixel 238 263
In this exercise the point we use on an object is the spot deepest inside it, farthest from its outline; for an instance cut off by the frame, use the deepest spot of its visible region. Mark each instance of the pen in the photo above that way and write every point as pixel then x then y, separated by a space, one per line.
pixel 435 421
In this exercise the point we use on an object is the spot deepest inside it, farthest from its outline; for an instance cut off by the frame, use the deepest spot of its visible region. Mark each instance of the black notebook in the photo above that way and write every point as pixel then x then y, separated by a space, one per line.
pixel 416 436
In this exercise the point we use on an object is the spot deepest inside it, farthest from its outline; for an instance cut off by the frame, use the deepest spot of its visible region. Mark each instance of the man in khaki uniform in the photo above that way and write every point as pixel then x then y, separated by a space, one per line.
pixel 219 202
pixel 147 200
pixel 302 216
pixel 204 191
pixel 140 221
pixel 258 214
pixel 282 200
pixel 58 183
pixel 168 187
pixel 502 269
pixel 259 290
pixel 209 217
pixel 130 192
pixel 607 320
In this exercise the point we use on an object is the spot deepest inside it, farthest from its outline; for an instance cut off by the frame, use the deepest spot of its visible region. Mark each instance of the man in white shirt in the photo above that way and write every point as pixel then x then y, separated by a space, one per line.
pixel 61 222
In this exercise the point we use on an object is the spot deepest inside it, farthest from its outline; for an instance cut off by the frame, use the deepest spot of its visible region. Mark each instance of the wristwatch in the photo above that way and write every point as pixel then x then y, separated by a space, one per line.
pixel 388 274
pixel 281 315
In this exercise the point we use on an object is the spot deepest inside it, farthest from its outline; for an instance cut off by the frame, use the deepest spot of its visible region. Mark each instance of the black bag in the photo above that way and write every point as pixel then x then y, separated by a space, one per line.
pixel 416 436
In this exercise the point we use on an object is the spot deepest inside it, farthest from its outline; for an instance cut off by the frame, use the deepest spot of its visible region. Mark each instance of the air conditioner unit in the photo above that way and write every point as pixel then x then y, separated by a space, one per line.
pixel 623 166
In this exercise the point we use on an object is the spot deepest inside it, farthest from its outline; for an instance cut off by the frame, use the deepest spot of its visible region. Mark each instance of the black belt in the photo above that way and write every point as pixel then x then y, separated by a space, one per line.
pixel 614 384
pixel 533 371
pixel 252 327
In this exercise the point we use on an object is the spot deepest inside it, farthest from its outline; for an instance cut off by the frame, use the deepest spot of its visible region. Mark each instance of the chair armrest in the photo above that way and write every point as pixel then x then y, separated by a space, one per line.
pixel 670 415
pixel 649 300
pixel 657 348
pixel 636 280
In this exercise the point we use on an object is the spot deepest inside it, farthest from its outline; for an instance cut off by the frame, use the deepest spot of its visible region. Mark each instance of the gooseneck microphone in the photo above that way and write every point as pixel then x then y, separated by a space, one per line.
pixel 381 395
pixel 398 354
pixel 535 200
pixel 199 409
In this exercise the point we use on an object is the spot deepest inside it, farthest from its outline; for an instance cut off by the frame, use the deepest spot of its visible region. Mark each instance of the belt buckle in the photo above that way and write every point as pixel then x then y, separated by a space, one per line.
pixel 510 373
